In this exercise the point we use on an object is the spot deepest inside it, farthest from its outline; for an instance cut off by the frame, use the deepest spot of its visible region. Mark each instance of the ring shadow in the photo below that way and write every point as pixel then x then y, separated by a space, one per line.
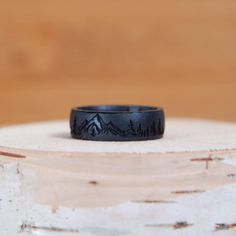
pixel 61 135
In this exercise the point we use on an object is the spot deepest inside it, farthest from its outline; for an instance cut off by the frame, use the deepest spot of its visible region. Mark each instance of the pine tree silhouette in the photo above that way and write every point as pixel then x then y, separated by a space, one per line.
pixel 153 129
pixel 160 127
pixel 131 129
pixel 73 128
pixel 139 130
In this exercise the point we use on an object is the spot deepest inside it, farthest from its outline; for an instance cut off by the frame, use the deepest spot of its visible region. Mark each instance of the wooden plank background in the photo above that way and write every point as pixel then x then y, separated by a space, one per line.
pixel 58 54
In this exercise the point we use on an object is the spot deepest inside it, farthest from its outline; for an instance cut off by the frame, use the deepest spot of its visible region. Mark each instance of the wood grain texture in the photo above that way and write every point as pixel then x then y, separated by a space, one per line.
pixel 55 55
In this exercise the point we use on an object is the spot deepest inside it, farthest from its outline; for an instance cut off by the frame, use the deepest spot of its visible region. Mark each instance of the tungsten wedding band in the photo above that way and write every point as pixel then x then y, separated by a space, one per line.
pixel 117 123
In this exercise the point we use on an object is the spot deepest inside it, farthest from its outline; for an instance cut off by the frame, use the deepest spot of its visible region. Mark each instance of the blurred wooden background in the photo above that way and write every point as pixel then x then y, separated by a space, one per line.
pixel 58 54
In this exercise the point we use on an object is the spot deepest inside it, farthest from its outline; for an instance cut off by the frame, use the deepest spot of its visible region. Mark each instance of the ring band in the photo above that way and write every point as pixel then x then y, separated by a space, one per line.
pixel 117 123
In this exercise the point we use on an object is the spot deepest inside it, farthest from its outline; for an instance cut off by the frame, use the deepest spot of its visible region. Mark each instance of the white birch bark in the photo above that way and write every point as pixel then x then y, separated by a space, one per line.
pixel 184 184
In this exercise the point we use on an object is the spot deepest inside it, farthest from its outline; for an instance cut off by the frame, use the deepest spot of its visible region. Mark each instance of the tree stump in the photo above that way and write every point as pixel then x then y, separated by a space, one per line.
pixel 183 184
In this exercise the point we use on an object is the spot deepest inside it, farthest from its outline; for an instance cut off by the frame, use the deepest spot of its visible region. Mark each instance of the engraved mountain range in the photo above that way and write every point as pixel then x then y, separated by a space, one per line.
pixel 97 126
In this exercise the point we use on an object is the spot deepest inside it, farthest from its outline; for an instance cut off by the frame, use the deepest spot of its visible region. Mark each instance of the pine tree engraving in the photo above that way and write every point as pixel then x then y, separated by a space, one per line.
pixel 139 130
pixel 131 130
pixel 153 129
pixel 160 127
pixel 73 127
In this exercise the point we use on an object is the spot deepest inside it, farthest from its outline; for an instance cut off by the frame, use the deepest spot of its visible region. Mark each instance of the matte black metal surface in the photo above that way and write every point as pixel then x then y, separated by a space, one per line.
pixel 117 123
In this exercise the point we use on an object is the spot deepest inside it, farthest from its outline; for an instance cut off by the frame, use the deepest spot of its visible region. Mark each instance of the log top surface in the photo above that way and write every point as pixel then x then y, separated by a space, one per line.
pixel 194 157
pixel 181 135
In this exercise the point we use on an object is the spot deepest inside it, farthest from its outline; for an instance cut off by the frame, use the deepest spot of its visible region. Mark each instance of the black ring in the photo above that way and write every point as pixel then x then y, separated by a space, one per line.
pixel 117 123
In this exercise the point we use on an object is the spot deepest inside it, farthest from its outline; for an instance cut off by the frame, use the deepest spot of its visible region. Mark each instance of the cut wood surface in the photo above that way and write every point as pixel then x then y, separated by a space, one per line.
pixel 181 135
pixel 183 184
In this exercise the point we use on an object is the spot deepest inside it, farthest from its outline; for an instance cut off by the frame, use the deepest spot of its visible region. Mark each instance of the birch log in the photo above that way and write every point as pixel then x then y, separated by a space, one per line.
pixel 183 184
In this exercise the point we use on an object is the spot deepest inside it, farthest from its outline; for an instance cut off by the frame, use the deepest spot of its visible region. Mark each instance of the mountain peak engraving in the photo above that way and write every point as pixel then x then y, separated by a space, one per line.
pixel 97 126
